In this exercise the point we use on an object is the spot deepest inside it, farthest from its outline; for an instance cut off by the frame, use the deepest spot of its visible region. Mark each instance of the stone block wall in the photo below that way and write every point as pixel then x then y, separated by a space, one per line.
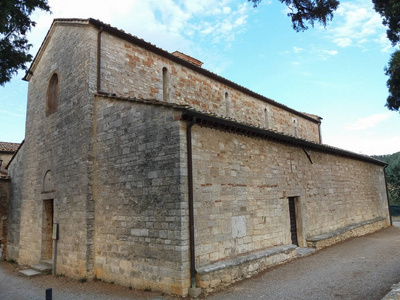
pixel 131 71
pixel 58 152
pixel 141 208
pixel 242 186
pixel 16 173
pixel 5 157
pixel 4 198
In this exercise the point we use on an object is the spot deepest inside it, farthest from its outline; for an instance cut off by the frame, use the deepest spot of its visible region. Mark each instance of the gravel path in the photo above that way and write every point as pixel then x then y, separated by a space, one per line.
pixel 362 268
pixel 16 287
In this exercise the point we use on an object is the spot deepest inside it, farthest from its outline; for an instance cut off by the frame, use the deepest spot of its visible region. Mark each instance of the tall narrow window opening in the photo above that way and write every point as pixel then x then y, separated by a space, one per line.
pixel 296 130
pixel 293 221
pixel 227 104
pixel 53 92
pixel 165 75
pixel 266 118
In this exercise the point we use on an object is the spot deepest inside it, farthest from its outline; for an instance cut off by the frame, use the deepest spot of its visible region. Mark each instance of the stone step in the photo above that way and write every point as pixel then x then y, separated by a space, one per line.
pixel 42 267
pixel 29 273
pixel 304 251
pixel 46 262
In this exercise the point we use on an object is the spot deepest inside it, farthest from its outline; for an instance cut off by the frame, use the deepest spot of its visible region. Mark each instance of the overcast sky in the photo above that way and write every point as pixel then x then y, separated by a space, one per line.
pixel 334 72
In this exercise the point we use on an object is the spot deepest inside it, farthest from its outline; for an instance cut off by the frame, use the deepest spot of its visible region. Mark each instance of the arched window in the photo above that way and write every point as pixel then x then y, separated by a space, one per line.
pixel 53 92
pixel 227 105
pixel 165 77
pixel 267 117
pixel 296 130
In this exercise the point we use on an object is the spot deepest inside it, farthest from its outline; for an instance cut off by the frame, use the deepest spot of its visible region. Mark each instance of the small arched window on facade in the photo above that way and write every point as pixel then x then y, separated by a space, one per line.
pixel 267 118
pixel 165 78
pixel 53 92
pixel 227 104
pixel 296 130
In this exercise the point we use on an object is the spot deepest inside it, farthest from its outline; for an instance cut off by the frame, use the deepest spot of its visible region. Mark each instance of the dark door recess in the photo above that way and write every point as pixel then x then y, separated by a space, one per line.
pixel 293 227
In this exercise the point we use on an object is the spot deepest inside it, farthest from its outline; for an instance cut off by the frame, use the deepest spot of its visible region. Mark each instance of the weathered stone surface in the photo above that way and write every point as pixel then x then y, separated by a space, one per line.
pixel 248 179
pixel 304 251
pixel 30 273
pixel 194 292
pixel 394 294
pixel 352 230
pixel 111 170
pixel 41 267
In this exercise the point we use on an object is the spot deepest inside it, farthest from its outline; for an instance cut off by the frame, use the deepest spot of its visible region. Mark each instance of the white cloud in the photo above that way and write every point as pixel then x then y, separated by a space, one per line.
pixel 312 52
pixel 325 54
pixel 297 49
pixel 356 24
pixel 171 25
pixel 368 145
pixel 384 42
pixel 367 122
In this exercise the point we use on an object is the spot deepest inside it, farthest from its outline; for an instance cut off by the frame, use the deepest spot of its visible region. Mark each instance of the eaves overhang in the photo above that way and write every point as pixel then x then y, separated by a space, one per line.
pixel 223 124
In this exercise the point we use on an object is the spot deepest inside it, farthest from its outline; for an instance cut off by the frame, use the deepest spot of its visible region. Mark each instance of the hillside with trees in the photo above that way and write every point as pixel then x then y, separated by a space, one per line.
pixel 392 176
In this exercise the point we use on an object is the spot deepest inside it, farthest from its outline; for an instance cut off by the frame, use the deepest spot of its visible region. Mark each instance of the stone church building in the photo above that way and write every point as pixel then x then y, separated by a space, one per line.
pixel 162 175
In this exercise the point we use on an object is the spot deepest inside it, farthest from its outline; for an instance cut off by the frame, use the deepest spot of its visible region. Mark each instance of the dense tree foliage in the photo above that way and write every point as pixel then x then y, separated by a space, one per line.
pixel 310 11
pixel 390 12
pixel 14 23
pixel 393 83
pixel 392 176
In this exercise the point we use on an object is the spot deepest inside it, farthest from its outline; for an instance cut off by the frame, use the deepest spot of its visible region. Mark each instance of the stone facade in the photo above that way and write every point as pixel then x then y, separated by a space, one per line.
pixel 4 197
pixel 122 136
pixel 6 152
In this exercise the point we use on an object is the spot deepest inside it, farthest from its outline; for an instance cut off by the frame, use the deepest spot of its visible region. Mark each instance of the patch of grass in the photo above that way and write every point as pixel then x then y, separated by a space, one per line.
pixel 130 288
pixel 83 280
pixel 147 289
pixel 112 282
pixel 12 261
pixel 60 275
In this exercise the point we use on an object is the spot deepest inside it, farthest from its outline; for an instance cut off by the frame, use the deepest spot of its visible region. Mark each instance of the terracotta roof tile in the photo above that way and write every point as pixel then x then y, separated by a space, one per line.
pixel 9 147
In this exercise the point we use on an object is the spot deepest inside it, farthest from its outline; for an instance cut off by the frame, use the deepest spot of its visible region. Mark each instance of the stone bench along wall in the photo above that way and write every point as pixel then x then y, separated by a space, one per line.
pixel 341 234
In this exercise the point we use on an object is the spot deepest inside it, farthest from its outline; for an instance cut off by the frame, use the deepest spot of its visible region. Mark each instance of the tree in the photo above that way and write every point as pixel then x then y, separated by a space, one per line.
pixel 392 176
pixel 390 13
pixel 308 11
pixel 15 22
pixel 393 83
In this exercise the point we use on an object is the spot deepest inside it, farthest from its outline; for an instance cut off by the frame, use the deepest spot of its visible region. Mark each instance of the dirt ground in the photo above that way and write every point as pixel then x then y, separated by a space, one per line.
pixel 362 268
pixel 15 287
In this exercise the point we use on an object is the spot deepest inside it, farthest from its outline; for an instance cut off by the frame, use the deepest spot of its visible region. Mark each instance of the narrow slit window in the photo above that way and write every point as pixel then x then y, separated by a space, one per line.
pixel 227 105
pixel 165 76
pixel 296 130
pixel 53 92
pixel 266 118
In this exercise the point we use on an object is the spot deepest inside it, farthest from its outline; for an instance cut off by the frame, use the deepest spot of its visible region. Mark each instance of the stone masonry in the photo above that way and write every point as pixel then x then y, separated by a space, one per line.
pixel 110 164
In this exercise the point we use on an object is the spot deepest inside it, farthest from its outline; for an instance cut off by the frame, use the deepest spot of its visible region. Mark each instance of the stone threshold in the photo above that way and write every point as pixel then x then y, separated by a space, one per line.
pixel 42 268
pixel 314 241
pixel 244 259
